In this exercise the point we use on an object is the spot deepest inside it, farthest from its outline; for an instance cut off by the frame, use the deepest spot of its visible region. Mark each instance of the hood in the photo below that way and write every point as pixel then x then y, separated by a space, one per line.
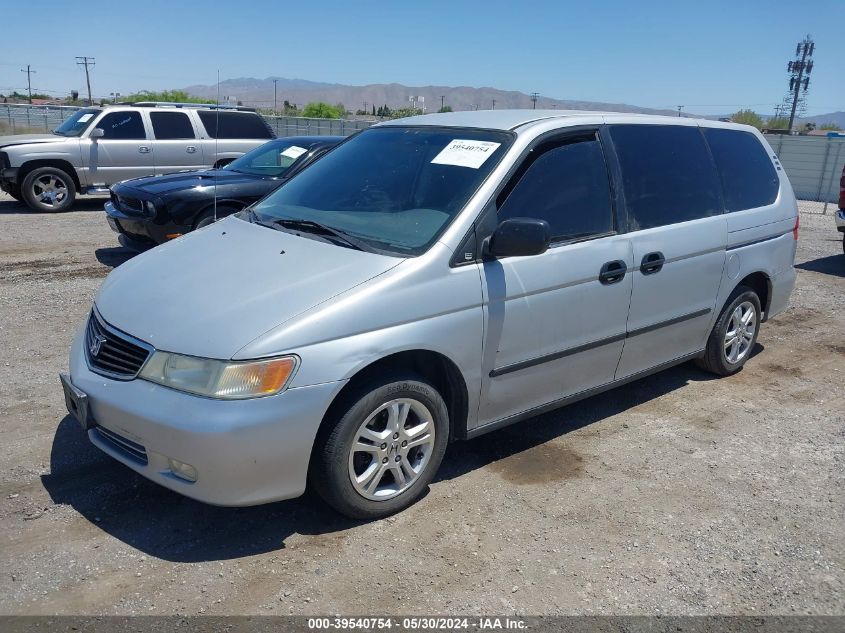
pixel 182 180
pixel 212 291
pixel 22 139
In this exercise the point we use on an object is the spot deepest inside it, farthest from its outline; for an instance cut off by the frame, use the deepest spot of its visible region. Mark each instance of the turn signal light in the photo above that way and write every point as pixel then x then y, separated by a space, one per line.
pixel 171 236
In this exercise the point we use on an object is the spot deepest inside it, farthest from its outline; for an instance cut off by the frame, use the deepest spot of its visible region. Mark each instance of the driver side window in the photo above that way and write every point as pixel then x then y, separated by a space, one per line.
pixel 566 184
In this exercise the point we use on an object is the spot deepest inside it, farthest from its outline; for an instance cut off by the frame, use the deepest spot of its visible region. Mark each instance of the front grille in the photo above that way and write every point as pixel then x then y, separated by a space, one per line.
pixel 129 449
pixel 113 353
pixel 129 206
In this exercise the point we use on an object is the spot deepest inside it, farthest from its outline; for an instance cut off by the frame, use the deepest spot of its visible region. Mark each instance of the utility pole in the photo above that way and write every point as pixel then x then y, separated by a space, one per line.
pixel 680 107
pixel 534 96
pixel 275 109
pixel 365 107
pixel 87 61
pixel 494 105
pixel 442 101
pixel 797 70
pixel 28 81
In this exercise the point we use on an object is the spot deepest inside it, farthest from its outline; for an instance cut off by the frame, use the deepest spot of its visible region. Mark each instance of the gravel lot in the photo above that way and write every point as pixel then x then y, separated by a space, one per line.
pixel 678 494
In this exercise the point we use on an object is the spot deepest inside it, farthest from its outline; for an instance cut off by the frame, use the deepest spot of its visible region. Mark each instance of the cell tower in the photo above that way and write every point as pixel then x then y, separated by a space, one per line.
pixel 799 70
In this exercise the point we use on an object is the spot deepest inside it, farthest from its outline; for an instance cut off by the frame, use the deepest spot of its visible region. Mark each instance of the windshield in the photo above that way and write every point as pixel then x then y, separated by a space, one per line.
pixel 395 188
pixel 78 122
pixel 271 159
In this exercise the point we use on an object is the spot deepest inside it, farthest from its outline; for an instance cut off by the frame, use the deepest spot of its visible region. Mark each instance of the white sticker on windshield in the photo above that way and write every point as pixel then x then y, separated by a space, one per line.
pixel 85 117
pixel 294 152
pixel 466 153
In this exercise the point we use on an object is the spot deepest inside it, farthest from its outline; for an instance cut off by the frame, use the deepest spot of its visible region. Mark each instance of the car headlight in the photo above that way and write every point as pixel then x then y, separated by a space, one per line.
pixel 150 207
pixel 227 380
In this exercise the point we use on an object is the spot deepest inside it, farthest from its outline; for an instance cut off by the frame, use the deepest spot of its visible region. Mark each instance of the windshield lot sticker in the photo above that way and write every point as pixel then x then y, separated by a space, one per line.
pixel 85 117
pixel 463 153
pixel 294 152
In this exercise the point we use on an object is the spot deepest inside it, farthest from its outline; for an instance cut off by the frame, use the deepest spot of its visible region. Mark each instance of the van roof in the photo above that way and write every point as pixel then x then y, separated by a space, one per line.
pixel 513 119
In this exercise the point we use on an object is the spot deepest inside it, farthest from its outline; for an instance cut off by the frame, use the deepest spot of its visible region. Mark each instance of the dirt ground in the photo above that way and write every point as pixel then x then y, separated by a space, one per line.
pixel 678 494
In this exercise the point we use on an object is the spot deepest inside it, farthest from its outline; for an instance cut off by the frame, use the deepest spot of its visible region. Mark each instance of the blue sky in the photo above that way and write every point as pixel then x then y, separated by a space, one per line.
pixel 713 57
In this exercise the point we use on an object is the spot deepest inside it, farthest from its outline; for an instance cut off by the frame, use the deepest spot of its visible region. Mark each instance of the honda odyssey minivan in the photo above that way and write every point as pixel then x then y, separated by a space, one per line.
pixel 429 280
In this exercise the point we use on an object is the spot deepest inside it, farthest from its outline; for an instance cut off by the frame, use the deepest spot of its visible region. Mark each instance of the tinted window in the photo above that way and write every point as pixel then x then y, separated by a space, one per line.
pixel 567 186
pixel 123 126
pixel 748 177
pixel 667 174
pixel 171 125
pixel 221 124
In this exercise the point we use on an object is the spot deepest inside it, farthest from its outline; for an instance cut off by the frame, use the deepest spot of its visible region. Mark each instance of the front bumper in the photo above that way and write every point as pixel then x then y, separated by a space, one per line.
pixel 8 177
pixel 245 452
pixel 141 230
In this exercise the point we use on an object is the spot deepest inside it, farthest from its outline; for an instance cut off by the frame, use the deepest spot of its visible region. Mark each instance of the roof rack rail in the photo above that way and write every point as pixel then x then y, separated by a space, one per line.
pixel 174 104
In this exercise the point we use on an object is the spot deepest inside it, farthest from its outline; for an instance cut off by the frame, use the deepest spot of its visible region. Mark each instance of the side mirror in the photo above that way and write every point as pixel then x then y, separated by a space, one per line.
pixel 96 133
pixel 519 237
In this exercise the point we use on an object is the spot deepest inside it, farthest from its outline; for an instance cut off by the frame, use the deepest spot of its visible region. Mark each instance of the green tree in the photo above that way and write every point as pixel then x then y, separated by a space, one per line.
pixel 176 96
pixel 748 117
pixel 322 110
pixel 777 123
pixel 446 109
pixel 831 127
pixel 401 113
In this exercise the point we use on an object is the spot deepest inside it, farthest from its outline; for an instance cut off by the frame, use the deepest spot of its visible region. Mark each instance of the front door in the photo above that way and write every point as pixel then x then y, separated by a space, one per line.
pixel 176 145
pixel 678 234
pixel 122 152
pixel 555 323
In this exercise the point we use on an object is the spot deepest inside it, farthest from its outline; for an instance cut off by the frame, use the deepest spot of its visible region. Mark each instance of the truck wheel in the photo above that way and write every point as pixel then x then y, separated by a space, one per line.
pixel 48 189
pixel 734 334
pixel 382 450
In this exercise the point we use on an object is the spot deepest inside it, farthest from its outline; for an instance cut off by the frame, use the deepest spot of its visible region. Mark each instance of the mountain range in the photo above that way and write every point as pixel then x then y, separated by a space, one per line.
pixel 259 93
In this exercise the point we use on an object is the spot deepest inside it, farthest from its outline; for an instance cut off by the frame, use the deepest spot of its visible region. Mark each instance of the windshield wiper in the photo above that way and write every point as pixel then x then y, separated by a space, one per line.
pixel 315 227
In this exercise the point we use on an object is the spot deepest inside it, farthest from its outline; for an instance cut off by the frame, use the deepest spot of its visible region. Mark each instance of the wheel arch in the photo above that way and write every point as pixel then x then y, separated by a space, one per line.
pixel 760 283
pixel 238 205
pixel 56 163
pixel 435 367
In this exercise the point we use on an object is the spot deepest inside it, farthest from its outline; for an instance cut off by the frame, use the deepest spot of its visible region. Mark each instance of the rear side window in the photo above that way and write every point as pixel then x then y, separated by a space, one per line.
pixel 567 186
pixel 171 125
pixel 221 124
pixel 667 174
pixel 123 126
pixel 749 179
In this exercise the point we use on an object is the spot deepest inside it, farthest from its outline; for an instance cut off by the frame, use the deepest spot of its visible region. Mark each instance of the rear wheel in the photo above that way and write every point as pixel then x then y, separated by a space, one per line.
pixel 734 334
pixel 381 453
pixel 48 189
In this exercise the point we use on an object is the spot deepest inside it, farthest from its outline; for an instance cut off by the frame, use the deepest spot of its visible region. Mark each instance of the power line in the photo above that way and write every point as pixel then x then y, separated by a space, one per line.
pixel 28 72
pixel 87 61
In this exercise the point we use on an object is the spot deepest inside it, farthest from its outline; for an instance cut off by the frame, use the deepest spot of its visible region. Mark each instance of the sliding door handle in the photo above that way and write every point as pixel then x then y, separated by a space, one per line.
pixel 652 263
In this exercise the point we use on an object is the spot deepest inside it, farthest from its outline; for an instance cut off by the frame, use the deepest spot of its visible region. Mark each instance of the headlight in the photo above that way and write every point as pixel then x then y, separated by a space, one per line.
pixel 150 206
pixel 227 380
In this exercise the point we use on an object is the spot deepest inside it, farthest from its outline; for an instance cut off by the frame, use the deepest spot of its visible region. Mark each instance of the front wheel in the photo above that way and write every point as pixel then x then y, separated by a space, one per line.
pixel 734 334
pixel 209 216
pixel 48 189
pixel 379 456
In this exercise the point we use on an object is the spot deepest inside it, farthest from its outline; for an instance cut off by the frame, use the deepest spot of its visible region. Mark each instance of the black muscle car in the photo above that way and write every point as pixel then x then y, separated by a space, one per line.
pixel 152 210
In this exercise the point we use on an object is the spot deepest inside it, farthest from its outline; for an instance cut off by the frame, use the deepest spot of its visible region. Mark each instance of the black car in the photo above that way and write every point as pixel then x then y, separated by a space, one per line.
pixel 152 210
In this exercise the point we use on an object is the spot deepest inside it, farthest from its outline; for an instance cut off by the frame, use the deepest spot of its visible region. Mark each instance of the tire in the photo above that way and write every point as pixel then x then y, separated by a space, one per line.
pixel 207 217
pixel 400 459
pixel 48 189
pixel 740 315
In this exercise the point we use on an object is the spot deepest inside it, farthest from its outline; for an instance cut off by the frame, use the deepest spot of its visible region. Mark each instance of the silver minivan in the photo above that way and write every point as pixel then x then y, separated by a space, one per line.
pixel 429 280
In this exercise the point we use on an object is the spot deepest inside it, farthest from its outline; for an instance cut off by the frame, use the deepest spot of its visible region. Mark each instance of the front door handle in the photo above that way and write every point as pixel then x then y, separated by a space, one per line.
pixel 652 263
pixel 144 149
pixel 613 272
pixel 191 149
